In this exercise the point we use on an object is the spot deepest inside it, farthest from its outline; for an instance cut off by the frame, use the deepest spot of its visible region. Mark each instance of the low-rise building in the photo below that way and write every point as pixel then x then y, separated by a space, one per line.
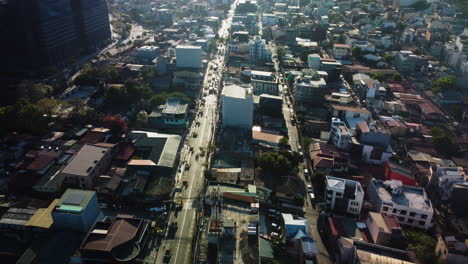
pixel 90 162
pixel 327 158
pixel 341 51
pixel 343 196
pixel 292 225
pixel 408 204
pixel 309 89
pixel 383 229
pixel 264 82
pixel 173 114
pixel 339 134
pixel 76 210
pixel 120 240
pixel 352 251
pixel 395 171
pixel 445 178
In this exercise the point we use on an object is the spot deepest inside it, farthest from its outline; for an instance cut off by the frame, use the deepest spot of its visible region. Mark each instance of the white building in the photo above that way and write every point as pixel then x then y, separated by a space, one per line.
pixel 268 19
pixel 313 60
pixel 292 225
pixel 259 51
pixel 264 82
pixel 307 89
pixel 237 106
pixel 188 57
pixel 408 204
pixel 341 51
pixel 343 196
pixel 444 179
pixel 339 134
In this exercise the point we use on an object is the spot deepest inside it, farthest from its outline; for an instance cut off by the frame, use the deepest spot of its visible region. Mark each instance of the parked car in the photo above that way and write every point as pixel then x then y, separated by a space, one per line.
pixel 309 188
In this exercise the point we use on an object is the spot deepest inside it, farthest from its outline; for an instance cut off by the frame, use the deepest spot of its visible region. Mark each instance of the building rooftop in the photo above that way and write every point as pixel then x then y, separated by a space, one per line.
pixel 106 236
pixel 235 91
pixel 74 200
pixel 350 109
pixel 174 106
pixel 164 147
pixel 43 216
pixel 397 168
pixel 85 160
pixel 412 197
pixel 349 187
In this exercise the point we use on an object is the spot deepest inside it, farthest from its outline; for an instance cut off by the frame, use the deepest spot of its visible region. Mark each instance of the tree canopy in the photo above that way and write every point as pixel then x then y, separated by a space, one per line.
pixel 444 83
pixel 443 143
pixel 422 244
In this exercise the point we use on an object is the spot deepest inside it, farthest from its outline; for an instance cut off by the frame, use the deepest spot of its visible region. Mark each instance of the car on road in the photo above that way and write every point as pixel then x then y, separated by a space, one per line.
pixel 309 188
pixel 274 234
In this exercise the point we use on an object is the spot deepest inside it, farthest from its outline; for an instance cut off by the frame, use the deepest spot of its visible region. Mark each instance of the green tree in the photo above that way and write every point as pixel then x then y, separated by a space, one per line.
pixel 49 106
pixel 156 100
pixel 422 244
pixel 7 119
pixel 141 120
pixel 283 142
pixel 444 83
pixel 443 143
pixel 396 77
pixel 33 92
pixel 275 163
pixel 31 119
pixel 388 58
pixel 377 76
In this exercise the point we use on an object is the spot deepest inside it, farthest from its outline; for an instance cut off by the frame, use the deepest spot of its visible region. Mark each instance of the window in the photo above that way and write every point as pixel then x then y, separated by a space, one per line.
pixel 403 212
pixel 423 216
pixel 410 221
pixel 412 214
pixel 394 211
pixel 385 209
pixel 422 223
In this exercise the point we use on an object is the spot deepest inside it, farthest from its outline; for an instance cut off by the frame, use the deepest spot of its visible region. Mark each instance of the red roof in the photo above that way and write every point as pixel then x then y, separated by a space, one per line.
pixel 105 236
pixel 40 162
pixel 125 152
pixel 92 137
pixel 391 222
pixel 238 197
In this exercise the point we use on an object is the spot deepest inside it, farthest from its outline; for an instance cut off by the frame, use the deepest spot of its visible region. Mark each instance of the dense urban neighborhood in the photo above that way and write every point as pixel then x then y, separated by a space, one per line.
pixel 234 131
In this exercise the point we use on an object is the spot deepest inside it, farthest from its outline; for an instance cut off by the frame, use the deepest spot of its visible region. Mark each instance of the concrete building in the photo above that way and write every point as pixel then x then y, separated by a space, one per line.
pixel 188 57
pixel 264 82
pixel 157 149
pixel 343 196
pixel 309 89
pixel 268 19
pixel 294 225
pixel 118 240
pixel 443 179
pixel 237 106
pixel 339 134
pixel 258 50
pixel 408 204
pixel 341 51
pixel 76 210
pixel 395 171
pixel 405 61
pixel 383 229
pixel 313 60
pixel 45 33
pixel 90 162
pixel 372 134
pixel 173 114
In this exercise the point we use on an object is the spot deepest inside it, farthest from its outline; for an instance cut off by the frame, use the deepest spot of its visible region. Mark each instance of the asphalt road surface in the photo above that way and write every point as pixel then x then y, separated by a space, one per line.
pixel 191 167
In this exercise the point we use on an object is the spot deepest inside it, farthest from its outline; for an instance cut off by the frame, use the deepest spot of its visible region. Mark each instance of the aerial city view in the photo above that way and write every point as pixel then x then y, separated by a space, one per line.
pixel 234 131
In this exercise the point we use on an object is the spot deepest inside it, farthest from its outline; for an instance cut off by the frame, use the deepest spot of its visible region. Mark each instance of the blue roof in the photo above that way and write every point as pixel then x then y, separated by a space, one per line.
pixel 299 234
pixel 309 246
